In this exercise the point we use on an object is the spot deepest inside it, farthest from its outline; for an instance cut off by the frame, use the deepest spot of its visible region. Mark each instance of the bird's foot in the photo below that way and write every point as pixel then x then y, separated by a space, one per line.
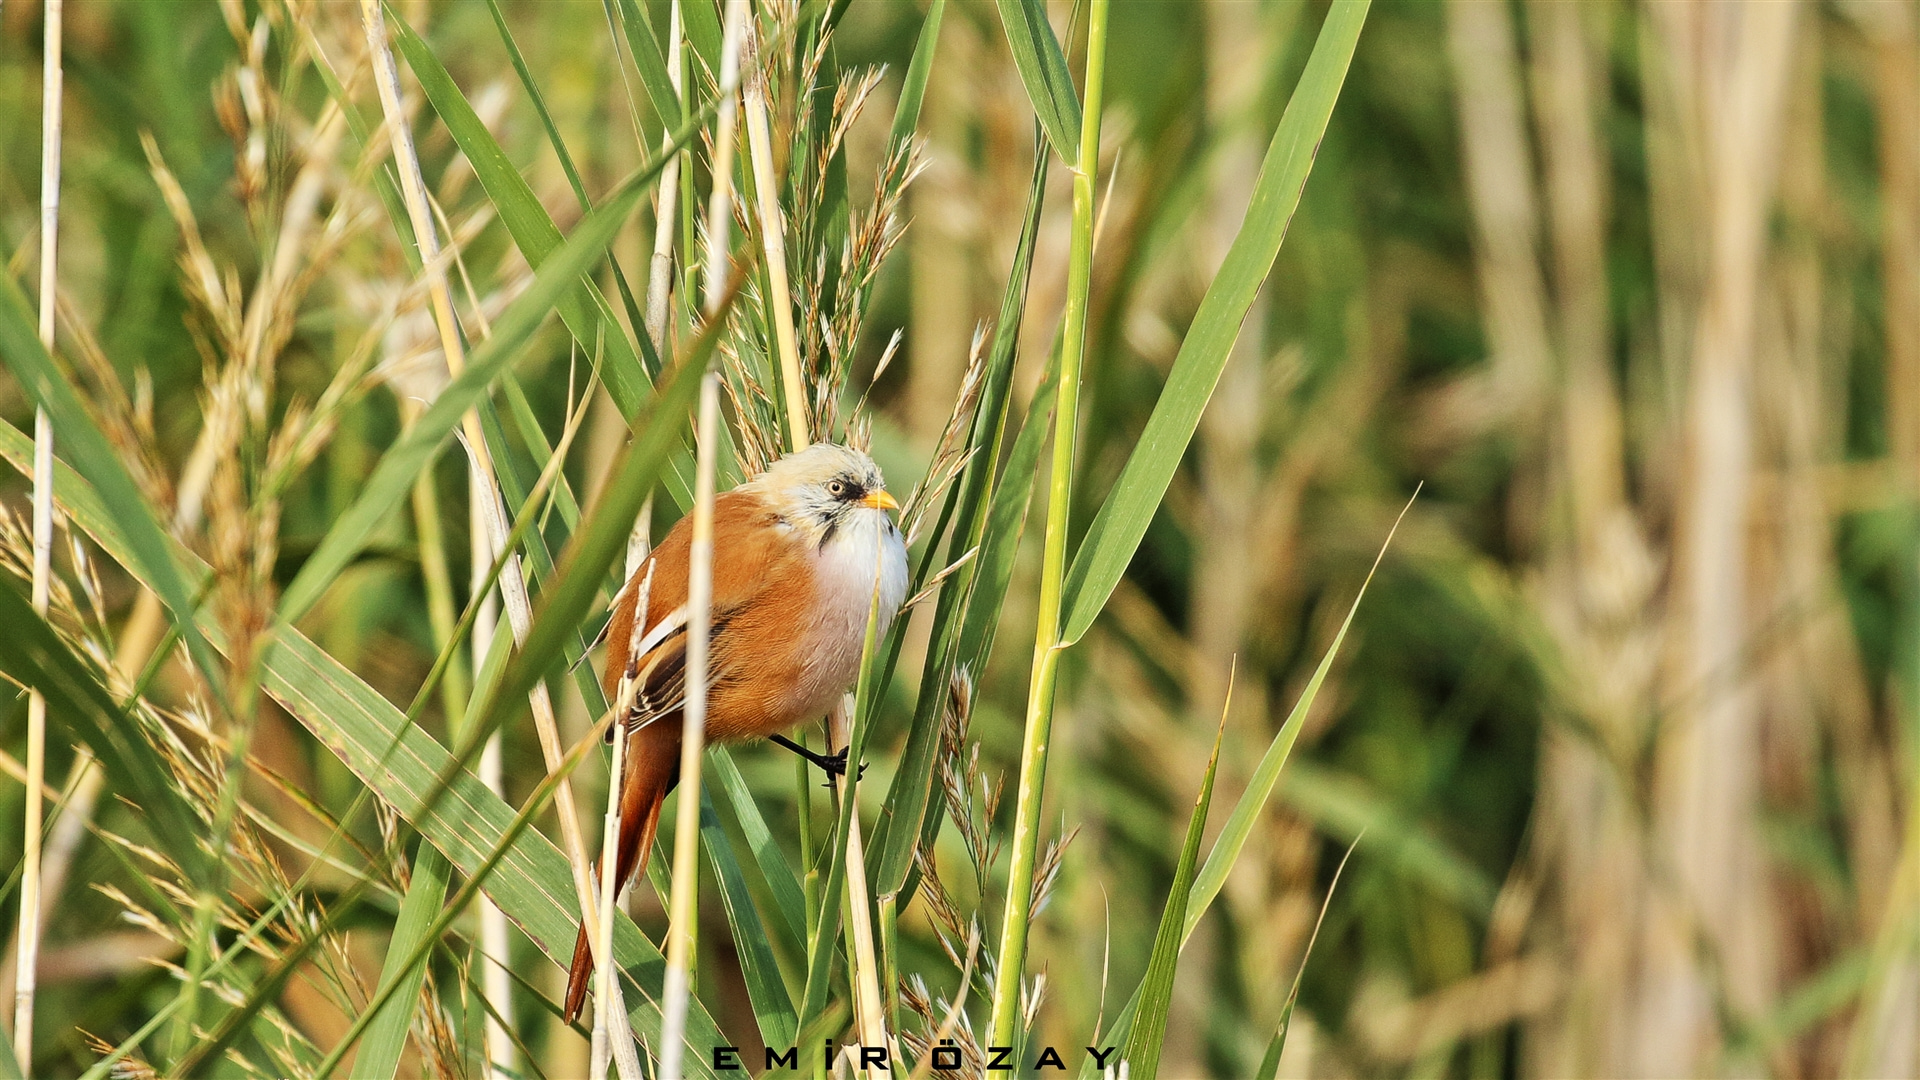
pixel 832 764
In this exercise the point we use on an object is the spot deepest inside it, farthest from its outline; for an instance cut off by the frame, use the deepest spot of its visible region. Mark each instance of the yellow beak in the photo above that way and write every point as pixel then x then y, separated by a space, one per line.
pixel 879 500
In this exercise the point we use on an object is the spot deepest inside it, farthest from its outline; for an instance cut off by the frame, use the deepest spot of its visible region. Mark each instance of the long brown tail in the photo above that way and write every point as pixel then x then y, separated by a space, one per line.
pixel 653 768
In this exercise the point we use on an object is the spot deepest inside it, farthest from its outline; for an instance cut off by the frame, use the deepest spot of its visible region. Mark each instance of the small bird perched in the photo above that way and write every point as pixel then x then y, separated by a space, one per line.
pixel 795 554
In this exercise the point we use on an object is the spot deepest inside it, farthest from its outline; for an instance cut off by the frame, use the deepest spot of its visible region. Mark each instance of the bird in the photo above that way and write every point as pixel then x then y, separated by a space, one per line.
pixel 797 550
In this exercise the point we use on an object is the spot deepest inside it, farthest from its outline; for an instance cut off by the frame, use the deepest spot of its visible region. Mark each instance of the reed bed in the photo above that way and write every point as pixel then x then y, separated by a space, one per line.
pixel 384 339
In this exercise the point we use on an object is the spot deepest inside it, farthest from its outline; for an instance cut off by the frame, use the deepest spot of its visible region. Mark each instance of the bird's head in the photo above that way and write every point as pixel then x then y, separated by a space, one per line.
pixel 825 489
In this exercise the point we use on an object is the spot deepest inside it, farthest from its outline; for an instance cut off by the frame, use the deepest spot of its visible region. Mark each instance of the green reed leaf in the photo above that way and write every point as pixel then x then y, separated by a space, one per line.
pixel 789 902
pixel 906 115
pixel 1253 800
pixel 766 991
pixel 649 61
pixel 1129 508
pixel 386 1037
pixel 82 443
pixel 1270 1061
pixel 1043 69
pixel 1144 1042
pixel 32 654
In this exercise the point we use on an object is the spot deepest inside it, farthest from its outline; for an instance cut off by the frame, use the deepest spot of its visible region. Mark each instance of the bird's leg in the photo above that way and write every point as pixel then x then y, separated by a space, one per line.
pixel 831 764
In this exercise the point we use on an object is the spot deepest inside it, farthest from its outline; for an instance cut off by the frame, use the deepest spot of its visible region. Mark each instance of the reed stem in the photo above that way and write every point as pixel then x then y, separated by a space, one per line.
pixel 489 512
pixel 1047 644
pixel 607 1006
pixel 773 235
pixel 26 969
pixel 684 900
pixel 660 271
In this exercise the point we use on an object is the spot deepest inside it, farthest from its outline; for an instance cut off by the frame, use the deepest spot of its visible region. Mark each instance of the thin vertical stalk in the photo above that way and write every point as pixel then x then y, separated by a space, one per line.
pixel 513 588
pixel 726 123
pixel 494 982
pixel 686 837
pixel 660 270
pixel 684 900
pixel 605 969
pixel 1707 789
pixel 773 236
pixel 609 1009
pixel 29 939
pixel 857 904
pixel 1047 646
pixel 610 1003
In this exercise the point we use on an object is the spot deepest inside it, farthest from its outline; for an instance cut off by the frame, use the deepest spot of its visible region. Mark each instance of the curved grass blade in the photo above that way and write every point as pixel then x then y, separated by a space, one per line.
pixel 393 477
pixel 906 115
pixel 386 1037
pixel 582 308
pixel 909 798
pixel 92 456
pixel 31 654
pixel 1123 518
pixel 1270 1062
pixel 1142 1053
pixel 1043 69
pixel 772 1004
pixel 1252 801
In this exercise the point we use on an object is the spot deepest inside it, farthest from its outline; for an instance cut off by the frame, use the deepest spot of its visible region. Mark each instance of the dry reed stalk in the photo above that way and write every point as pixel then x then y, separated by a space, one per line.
pixel 683 903
pixel 494 941
pixel 720 201
pixel 482 485
pixel 1896 86
pixel 1886 1036
pixel 1600 576
pixel 660 269
pixel 1706 789
pixel 26 971
pixel 869 1016
pixel 607 1006
pixel 686 839
pixel 1797 574
pixel 773 236
pixel 1480 42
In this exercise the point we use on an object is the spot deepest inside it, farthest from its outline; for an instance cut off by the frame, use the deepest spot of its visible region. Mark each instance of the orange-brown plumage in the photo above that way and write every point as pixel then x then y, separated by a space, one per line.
pixel 796 554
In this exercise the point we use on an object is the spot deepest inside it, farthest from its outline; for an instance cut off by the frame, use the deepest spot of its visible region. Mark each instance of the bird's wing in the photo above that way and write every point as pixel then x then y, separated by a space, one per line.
pixel 661 674
pixel 746 547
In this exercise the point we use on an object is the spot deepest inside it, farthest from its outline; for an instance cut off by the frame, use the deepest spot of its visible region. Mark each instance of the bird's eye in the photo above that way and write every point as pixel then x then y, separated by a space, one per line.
pixel 836 488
